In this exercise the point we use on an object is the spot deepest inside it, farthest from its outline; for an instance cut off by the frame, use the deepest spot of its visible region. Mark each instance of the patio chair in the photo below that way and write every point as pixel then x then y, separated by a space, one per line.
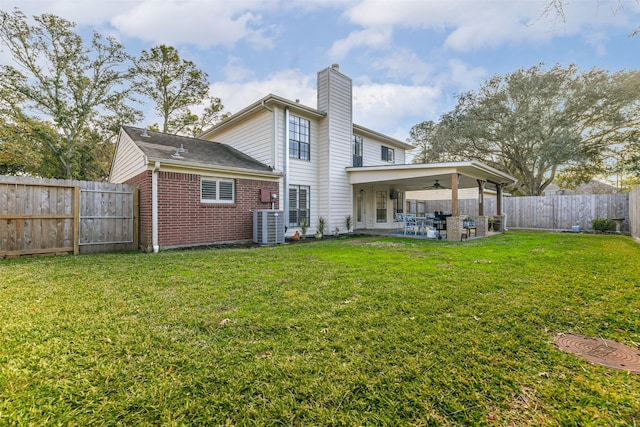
pixel 399 219
pixel 410 224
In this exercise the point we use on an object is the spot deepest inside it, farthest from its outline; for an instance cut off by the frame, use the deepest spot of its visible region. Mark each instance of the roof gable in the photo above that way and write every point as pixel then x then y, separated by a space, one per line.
pixel 297 108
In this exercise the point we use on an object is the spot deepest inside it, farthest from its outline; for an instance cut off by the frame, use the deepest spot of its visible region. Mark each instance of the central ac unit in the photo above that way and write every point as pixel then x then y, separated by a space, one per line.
pixel 268 227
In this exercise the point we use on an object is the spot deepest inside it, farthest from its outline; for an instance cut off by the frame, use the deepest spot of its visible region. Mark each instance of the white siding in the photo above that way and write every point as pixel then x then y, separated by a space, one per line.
pixel 373 153
pixel 401 156
pixel 322 184
pixel 129 161
pixel 253 137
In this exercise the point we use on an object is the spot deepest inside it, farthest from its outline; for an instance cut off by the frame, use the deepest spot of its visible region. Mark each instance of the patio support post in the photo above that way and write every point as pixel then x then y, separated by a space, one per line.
pixel 455 180
pixel 500 224
pixel 481 184
pixel 454 222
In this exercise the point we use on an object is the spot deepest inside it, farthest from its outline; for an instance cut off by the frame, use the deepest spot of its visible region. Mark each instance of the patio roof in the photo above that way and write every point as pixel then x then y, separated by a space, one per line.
pixel 412 177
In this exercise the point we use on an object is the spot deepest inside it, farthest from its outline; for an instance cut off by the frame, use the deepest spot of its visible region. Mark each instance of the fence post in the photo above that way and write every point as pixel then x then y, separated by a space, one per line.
pixel 76 220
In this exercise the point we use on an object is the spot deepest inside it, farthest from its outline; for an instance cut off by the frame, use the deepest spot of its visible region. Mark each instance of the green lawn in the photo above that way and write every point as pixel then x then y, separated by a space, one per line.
pixel 361 331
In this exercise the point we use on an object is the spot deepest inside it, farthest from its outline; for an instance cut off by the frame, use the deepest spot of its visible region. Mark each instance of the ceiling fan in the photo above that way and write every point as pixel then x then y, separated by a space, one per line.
pixel 436 186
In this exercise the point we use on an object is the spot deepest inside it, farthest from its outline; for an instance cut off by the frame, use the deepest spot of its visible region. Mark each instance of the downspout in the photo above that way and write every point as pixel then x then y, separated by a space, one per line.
pixel 154 207
pixel 285 160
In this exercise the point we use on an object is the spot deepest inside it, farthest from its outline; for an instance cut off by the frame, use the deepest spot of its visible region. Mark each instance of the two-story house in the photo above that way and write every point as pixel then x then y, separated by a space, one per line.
pixel 315 162
pixel 313 148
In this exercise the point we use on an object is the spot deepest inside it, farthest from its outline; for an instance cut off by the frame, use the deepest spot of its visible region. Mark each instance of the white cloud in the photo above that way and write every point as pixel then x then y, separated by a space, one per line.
pixel 378 38
pixel 174 22
pixel 92 13
pixel 580 16
pixel 203 24
pixel 390 107
pixel 235 71
pixel 314 5
pixel 403 63
pixel 462 76
pixel 472 25
pixel 289 84
pixel 598 41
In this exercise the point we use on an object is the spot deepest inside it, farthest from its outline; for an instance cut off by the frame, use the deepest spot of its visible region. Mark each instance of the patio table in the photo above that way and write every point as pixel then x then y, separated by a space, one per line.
pixel 424 223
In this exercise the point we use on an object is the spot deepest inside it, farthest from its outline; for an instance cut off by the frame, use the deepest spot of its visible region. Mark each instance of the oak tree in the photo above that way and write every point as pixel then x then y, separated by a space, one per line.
pixel 533 122
pixel 176 86
pixel 79 90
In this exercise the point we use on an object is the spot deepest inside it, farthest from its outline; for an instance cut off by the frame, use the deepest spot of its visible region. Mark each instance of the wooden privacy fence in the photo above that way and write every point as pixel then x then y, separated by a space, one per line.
pixel 564 212
pixel 465 206
pixel 44 216
pixel 545 212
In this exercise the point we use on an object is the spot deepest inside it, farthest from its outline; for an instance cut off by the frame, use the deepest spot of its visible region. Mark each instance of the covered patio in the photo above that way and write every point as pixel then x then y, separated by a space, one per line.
pixel 379 193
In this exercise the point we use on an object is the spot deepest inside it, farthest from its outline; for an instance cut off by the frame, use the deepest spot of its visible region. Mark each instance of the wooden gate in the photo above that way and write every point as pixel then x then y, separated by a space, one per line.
pixel 40 216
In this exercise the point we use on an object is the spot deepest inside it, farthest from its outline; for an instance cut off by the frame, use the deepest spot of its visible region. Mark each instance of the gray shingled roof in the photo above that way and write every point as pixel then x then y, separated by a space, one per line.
pixel 160 146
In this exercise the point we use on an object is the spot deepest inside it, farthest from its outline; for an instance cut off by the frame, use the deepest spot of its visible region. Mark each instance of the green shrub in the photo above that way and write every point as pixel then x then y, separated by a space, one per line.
pixel 321 225
pixel 348 223
pixel 603 224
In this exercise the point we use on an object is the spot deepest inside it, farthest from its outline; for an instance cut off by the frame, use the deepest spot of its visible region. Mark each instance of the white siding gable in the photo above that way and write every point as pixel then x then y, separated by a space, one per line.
pixel 253 137
pixel 129 160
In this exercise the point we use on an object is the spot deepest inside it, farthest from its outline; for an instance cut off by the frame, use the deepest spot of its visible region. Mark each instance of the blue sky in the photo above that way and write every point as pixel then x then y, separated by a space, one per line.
pixel 407 58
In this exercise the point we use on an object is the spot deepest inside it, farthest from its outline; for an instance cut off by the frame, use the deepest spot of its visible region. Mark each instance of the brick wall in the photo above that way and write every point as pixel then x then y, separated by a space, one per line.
pixel 184 221
pixel 145 237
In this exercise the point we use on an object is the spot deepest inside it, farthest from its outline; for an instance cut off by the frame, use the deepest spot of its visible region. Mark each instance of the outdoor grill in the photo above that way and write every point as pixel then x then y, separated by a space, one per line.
pixel 441 219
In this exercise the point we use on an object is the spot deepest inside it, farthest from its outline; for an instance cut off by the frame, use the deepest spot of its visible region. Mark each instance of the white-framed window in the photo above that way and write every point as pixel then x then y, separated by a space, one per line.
pixel 299 204
pixel 357 150
pixel 299 138
pixel 387 154
pixel 381 206
pixel 217 190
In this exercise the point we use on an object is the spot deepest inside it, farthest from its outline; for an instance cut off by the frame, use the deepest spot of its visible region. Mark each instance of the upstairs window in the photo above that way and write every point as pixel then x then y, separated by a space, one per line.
pixel 299 138
pixel 356 143
pixel 387 154
pixel 217 190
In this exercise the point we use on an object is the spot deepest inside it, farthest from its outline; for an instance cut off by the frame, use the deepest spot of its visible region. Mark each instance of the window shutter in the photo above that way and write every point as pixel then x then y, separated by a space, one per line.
pixel 226 190
pixel 303 203
pixel 209 190
pixel 293 205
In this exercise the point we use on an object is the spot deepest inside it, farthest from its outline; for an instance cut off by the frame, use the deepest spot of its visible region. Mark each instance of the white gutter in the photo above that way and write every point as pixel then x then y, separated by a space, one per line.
pixel 285 204
pixel 191 167
pixel 154 207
